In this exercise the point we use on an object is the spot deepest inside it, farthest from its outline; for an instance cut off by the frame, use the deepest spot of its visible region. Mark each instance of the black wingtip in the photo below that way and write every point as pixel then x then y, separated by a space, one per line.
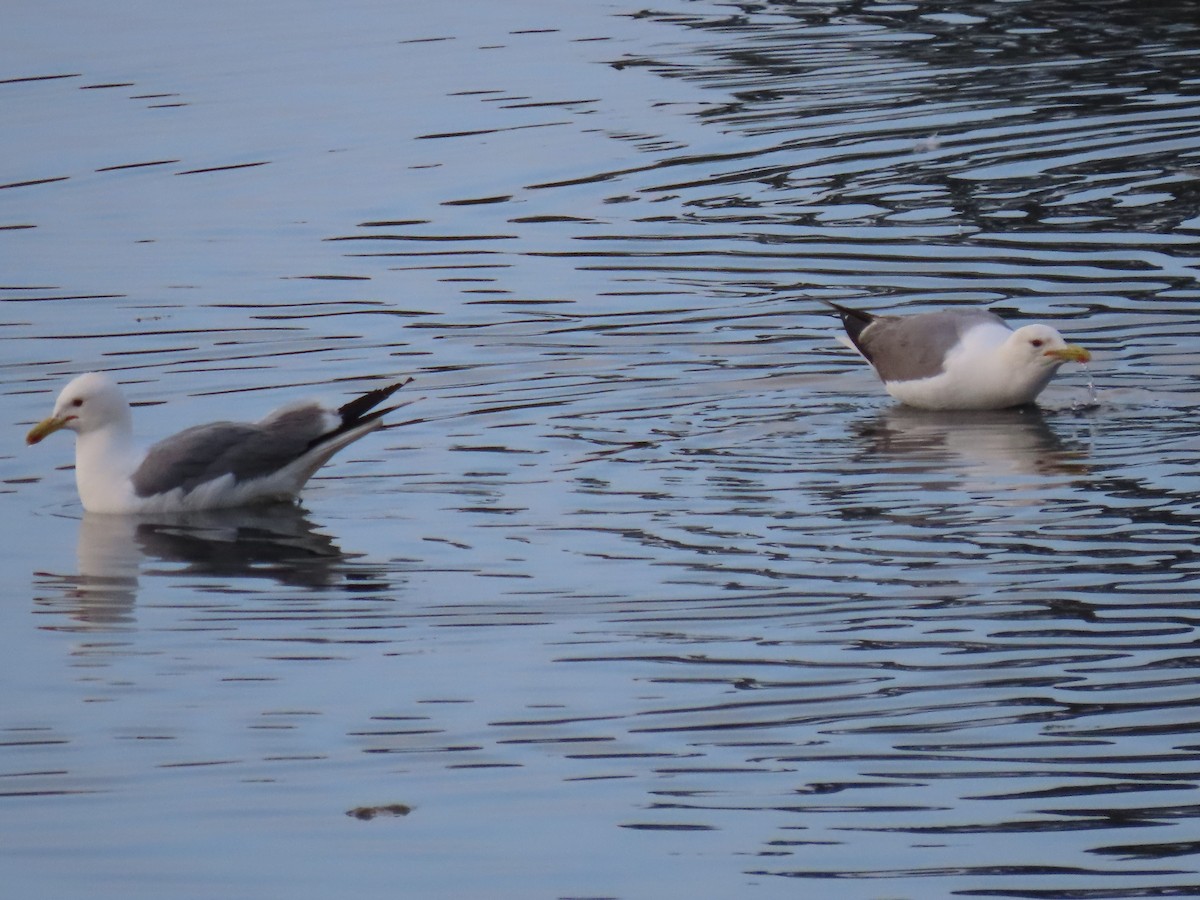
pixel 359 409
pixel 855 320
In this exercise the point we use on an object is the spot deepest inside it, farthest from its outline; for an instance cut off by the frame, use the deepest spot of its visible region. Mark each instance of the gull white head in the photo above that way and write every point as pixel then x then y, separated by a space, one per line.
pixel 90 403
pixel 1040 346
pixel 95 409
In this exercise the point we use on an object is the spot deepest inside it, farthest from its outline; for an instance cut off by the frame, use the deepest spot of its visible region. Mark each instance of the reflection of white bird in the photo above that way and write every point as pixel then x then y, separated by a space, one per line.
pixel 977 449
pixel 221 464
pixel 958 358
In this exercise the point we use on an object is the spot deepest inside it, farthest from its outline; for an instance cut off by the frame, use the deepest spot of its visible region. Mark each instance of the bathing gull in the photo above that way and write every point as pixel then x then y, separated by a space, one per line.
pixel 221 464
pixel 958 358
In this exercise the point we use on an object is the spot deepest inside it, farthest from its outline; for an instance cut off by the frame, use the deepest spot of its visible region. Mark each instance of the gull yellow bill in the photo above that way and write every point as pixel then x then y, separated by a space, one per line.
pixel 47 426
pixel 1070 353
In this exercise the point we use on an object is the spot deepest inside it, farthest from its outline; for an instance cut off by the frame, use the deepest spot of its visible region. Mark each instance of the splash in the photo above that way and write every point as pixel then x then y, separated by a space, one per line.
pixel 1093 399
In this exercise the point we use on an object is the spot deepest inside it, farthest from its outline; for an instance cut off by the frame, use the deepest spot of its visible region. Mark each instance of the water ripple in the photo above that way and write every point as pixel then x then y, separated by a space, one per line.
pixel 653 560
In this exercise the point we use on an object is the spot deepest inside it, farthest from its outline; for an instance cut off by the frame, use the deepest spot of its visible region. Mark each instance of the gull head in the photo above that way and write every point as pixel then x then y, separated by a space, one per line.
pixel 1041 345
pixel 89 403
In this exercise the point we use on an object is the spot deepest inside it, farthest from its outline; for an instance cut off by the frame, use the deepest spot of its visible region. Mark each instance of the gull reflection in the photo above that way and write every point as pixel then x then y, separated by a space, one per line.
pixel 984 443
pixel 115 553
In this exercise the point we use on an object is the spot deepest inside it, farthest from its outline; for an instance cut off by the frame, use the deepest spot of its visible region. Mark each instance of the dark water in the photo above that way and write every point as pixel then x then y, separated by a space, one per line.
pixel 654 592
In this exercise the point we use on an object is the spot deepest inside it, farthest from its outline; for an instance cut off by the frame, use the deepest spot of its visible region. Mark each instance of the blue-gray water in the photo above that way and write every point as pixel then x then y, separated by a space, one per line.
pixel 653 592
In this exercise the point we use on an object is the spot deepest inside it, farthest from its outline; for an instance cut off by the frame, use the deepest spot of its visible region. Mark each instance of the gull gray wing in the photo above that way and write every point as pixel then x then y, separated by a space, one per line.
pixel 906 348
pixel 244 450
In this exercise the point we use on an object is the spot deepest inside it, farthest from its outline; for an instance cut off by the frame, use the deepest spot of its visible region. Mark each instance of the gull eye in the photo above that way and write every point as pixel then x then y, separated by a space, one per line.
pixel 1037 342
pixel 77 402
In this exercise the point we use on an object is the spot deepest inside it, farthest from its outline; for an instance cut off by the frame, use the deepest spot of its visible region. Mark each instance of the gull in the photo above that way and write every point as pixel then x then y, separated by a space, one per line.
pixel 958 358
pixel 212 466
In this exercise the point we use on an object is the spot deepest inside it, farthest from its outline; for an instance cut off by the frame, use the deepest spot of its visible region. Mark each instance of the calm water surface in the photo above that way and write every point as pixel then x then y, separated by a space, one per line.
pixel 653 592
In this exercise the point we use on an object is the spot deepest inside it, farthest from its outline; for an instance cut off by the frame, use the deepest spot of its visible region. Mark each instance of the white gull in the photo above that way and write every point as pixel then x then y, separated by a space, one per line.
pixel 958 358
pixel 213 466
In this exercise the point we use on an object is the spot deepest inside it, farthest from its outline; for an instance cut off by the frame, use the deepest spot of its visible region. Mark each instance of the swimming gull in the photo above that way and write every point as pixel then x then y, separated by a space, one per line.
pixel 958 358
pixel 218 465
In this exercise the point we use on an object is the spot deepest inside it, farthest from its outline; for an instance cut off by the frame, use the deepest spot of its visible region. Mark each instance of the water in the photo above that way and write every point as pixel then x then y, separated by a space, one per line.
pixel 654 592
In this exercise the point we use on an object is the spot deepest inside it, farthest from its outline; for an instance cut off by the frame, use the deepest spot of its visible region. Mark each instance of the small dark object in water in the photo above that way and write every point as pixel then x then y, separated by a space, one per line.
pixel 366 813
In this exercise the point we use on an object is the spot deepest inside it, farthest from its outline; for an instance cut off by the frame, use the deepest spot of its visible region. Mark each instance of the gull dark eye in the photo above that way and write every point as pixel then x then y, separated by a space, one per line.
pixel 78 401
pixel 1037 342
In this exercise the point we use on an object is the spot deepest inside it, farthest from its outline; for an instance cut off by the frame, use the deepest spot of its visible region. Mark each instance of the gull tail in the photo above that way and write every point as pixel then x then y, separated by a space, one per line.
pixel 854 320
pixel 361 410
pixel 359 416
